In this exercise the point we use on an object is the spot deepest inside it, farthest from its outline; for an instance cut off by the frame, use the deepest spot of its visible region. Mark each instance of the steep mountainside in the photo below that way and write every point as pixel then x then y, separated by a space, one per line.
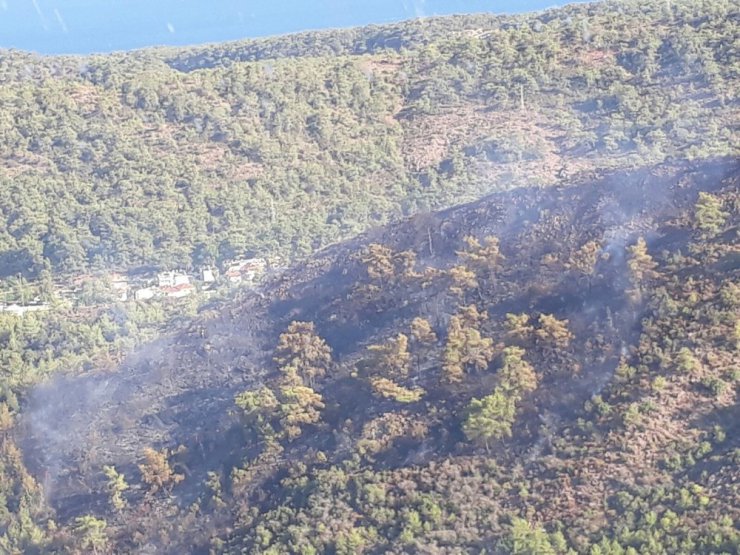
pixel 179 157
pixel 550 368
pixel 547 370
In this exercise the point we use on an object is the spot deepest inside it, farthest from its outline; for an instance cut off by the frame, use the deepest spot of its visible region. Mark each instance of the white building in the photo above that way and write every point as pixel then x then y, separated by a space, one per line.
pixel 207 275
pixel 145 294
pixel 246 269
pixel 172 279
pixel 20 310
pixel 178 291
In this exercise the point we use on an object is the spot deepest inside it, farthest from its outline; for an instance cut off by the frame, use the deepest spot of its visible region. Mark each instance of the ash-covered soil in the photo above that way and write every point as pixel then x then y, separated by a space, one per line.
pixel 180 389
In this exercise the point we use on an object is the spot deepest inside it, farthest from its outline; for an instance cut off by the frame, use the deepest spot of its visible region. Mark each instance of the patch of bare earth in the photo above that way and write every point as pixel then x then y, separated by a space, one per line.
pixel 596 59
pixel 85 96
pixel 24 162
pixel 430 139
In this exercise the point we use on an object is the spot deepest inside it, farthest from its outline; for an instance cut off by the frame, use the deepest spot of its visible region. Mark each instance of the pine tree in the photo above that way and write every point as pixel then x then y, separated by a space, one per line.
pixel 393 358
pixel 302 354
pixel 641 264
pixel 490 418
pixel 462 280
pixel 471 316
pixel 405 264
pixel 116 485
pixel 517 375
pixel 553 332
pixel 391 390
pixel 378 260
pixel 91 533
pixel 256 405
pixel 525 539
pixel 453 368
pixel 464 348
pixel 478 351
pixel 708 215
pixel 585 258
pixel 299 405
pixel 518 327
pixel 6 418
pixel 483 259
pixel 422 332
pixel 156 470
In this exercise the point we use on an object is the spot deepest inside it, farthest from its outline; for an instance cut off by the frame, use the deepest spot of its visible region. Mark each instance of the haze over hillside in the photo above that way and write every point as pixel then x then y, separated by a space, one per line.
pixel 282 146
pixel 462 285
pixel 82 27
pixel 458 381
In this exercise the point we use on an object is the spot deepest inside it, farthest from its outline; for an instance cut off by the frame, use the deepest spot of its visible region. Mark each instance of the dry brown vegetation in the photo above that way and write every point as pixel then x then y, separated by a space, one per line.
pixel 586 404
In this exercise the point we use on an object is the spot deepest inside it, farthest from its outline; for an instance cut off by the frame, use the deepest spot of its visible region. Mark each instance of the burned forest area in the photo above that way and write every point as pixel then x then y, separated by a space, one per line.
pixel 536 353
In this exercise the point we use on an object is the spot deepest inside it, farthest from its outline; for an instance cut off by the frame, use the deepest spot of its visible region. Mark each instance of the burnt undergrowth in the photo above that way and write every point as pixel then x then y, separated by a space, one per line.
pixel 180 391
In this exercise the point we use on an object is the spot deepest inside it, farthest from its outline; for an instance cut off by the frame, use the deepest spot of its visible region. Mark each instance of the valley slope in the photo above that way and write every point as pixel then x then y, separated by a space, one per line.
pixel 500 313
pixel 541 370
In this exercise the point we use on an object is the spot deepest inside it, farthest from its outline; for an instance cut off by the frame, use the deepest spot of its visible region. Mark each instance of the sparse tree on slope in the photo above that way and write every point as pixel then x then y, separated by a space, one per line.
pixel 641 264
pixel 518 327
pixel 386 267
pixel 462 280
pixel 709 216
pixel 116 485
pixel 517 375
pixel 471 317
pixel 422 332
pixel 483 259
pixel 391 390
pixel 302 354
pixel 465 347
pixel 257 405
pixel 490 418
pixel 584 259
pixel 156 470
pixel 393 357
pixel 299 405
pixel 91 534
pixel 554 332
pixel 378 260
pixel 423 338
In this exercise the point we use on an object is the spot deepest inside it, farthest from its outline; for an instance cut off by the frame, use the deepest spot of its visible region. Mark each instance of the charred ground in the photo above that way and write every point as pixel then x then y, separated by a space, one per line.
pixel 393 465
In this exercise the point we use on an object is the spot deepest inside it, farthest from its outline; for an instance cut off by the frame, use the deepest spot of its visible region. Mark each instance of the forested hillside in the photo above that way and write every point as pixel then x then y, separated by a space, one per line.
pixel 180 157
pixel 545 371
pixel 498 313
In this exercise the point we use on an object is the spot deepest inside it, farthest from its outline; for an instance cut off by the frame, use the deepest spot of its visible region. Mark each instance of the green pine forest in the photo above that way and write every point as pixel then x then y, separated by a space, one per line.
pixel 282 146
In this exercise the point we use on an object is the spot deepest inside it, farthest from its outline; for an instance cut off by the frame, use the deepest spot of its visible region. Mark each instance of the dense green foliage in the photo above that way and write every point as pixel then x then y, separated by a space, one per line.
pixel 284 145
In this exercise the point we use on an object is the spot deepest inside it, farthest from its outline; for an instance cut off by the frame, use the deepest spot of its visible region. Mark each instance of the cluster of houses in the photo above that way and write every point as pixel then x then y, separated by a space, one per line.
pixel 170 284
pixel 245 270
pixel 176 285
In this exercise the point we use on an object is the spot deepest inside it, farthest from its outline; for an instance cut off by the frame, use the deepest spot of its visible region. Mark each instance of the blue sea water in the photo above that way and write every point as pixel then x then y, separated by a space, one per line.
pixel 85 26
